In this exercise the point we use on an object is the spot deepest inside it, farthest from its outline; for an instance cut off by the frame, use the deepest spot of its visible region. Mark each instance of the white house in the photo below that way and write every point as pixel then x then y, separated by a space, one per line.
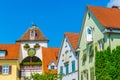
pixel 68 58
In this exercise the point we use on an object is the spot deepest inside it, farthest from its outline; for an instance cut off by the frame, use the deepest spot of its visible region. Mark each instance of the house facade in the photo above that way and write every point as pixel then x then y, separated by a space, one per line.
pixel 29 55
pixel 9 62
pixel 68 58
pixel 100 29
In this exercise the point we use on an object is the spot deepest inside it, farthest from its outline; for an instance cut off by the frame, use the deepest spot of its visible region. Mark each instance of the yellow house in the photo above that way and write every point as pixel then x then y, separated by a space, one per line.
pixel 9 62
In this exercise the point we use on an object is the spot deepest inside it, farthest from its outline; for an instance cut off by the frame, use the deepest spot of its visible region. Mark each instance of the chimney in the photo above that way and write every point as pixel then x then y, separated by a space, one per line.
pixel 117 7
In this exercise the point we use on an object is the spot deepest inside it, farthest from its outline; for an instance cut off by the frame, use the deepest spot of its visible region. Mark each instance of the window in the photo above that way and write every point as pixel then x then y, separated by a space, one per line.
pixel 67 68
pixel 89 31
pixel 89 36
pixel 32 34
pixel 2 53
pixel 81 75
pixel 61 69
pixel 100 45
pixel 91 53
pixel 5 69
pixel 73 66
pixel 84 57
pixel 92 73
pixel 85 75
pixel 52 67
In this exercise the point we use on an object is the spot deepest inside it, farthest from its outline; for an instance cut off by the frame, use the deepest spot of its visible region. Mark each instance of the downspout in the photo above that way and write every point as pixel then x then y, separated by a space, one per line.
pixel 109 35
pixel 78 52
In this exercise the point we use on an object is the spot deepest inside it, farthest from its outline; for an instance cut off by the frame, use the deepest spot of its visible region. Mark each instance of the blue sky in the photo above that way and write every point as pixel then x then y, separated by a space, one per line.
pixel 53 17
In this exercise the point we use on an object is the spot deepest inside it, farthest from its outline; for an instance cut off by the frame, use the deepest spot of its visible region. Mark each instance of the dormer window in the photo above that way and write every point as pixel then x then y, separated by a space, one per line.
pixel 89 36
pixel 52 67
pixel 32 34
pixel 2 53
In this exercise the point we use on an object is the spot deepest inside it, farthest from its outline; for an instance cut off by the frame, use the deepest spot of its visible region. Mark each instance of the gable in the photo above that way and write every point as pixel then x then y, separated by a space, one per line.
pixel 33 33
pixel 90 22
pixel 66 52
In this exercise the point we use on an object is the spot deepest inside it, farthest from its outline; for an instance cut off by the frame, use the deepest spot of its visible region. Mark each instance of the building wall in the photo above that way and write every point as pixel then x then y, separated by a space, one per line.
pixel 89 21
pixel 98 35
pixel 14 73
pixel 71 76
pixel 68 58
pixel 113 40
pixel 24 53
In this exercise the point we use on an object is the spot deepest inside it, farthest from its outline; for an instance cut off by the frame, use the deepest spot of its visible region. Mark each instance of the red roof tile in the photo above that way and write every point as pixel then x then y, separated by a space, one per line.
pixel 73 39
pixel 49 55
pixel 13 51
pixel 38 35
pixel 108 17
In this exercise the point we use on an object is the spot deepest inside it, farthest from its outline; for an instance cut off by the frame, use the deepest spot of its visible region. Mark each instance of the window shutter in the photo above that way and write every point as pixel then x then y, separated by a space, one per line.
pixel 0 69
pixel 10 69
pixel 82 76
pixel 103 45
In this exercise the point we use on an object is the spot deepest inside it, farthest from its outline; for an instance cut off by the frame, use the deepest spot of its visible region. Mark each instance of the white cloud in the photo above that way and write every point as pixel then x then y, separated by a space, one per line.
pixel 113 3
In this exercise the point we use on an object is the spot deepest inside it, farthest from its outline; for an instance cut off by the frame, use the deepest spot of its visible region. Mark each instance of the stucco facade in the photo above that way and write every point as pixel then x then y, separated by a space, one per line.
pixel 67 56
pixel 15 68
pixel 101 39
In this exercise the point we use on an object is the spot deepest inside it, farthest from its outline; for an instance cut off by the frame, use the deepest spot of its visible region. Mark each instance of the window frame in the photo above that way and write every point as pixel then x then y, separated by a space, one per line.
pixel 52 67
pixel 5 70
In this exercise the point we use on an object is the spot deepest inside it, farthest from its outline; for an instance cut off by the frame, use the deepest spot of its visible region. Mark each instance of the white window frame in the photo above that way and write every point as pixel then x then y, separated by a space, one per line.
pixel 89 36
pixel 5 69
pixel 52 67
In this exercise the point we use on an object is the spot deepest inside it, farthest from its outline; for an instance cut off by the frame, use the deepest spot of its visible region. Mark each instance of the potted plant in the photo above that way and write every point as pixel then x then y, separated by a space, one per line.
pixel 36 45
pixel 26 46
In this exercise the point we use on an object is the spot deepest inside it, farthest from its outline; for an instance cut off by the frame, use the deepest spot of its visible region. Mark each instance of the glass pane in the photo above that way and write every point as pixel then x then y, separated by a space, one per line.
pixel 2 53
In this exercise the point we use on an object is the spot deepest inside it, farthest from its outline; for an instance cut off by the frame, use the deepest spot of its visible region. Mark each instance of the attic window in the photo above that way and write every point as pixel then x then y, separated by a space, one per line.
pixel 89 34
pixel 32 34
pixel 2 53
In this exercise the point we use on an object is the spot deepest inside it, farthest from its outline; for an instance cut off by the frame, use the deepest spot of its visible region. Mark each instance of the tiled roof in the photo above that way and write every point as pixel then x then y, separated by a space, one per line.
pixel 108 17
pixel 49 55
pixel 73 39
pixel 38 35
pixel 13 51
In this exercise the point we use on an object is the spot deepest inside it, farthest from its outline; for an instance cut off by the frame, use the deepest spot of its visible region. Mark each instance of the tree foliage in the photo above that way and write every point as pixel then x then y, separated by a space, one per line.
pixel 45 76
pixel 107 64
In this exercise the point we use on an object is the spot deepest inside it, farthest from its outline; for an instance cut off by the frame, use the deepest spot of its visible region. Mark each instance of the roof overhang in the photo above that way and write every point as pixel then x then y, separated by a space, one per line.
pixel 111 30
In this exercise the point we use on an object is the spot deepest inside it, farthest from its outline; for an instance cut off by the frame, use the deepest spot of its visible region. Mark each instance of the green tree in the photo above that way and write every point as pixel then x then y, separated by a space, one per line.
pixel 107 64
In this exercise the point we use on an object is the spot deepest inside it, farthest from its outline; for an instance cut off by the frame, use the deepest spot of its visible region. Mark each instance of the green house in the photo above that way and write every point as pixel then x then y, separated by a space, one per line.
pixel 100 29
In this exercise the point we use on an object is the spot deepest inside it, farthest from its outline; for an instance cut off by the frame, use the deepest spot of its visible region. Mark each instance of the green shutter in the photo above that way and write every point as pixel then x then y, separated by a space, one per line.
pixel 87 74
pixel 102 44
pixel 67 69
pixel 92 73
pixel 81 75
pixel 96 48
pixel 73 66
